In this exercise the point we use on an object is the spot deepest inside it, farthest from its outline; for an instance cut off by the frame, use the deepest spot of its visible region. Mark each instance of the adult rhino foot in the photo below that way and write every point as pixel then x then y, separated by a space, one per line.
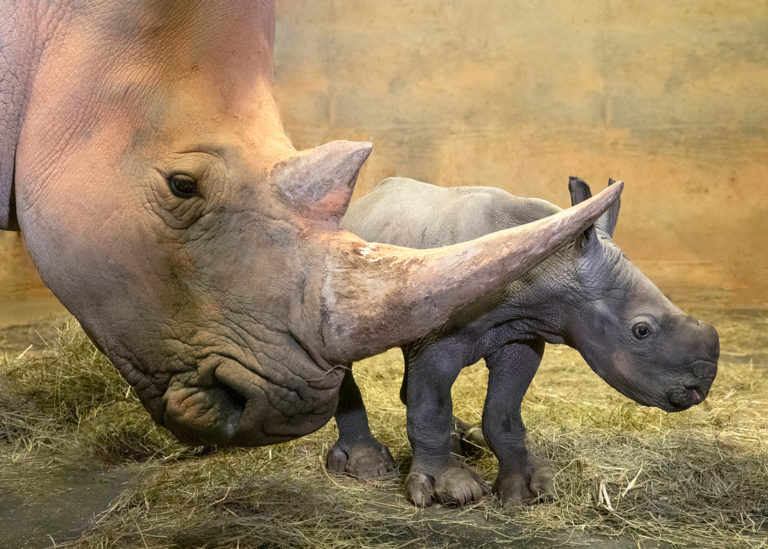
pixel 533 486
pixel 363 460
pixel 454 485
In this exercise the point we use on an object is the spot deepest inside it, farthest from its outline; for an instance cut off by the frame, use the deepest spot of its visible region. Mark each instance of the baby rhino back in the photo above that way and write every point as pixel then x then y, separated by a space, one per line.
pixel 406 212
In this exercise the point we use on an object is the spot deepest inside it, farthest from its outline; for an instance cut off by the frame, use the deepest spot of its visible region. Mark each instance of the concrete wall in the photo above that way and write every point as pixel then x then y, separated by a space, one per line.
pixel 668 96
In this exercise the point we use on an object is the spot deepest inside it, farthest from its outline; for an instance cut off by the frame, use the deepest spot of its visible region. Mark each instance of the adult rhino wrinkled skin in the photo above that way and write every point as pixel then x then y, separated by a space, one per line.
pixel 143 157
pixel 588 296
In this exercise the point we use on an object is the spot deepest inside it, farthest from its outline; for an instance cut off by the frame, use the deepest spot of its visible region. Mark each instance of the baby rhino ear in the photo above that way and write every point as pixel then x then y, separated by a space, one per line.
pixel 319 182
pixel 579 190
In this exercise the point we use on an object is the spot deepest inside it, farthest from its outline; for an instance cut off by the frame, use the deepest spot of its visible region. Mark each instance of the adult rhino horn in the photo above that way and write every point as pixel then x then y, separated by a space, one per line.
pixel 377 296
pixel 319 182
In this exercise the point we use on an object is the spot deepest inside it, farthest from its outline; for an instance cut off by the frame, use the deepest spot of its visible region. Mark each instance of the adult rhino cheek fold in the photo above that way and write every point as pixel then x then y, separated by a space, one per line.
pixel 228 303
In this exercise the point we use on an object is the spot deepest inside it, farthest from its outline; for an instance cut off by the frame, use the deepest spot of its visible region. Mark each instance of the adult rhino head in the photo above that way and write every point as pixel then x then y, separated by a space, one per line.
pixel 143 157
pixel 627 330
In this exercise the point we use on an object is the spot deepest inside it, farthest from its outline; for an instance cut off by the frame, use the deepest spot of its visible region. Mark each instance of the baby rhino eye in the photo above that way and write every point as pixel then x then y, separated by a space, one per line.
pixel 641 330
pixel 183 185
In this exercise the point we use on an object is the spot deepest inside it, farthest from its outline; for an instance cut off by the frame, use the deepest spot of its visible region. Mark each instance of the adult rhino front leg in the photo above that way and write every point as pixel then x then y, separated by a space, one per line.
pixel 356 452
pixel 522 478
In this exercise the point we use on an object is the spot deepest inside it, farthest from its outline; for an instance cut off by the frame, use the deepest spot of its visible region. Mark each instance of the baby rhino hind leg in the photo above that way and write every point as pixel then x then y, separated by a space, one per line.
pixel 356 452
pixel 522 478
pixel 435 474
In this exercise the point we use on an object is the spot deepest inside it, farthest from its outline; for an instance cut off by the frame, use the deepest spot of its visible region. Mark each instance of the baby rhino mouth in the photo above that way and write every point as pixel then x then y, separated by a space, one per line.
pixel 694 391
pixel 685 397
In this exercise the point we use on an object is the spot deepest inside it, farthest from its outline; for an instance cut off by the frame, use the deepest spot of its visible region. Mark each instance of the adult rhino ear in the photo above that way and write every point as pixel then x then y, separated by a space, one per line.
pixel 319 182
pixel 607 221
pixel 579 193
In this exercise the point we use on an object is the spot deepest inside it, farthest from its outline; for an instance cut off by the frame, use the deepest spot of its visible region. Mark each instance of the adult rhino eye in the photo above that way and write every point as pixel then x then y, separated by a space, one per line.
pixel 641 330
pixel 183 186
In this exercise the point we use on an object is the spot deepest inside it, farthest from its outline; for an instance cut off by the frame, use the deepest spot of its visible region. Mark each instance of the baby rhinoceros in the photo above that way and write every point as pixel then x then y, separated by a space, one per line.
pixel 587 295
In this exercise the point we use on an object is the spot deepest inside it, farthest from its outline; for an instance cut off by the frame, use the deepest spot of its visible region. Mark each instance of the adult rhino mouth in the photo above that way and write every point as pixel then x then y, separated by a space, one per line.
pixel 230 401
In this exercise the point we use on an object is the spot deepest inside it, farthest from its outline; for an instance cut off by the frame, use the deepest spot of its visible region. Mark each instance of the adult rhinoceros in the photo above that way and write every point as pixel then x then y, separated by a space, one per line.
pixel 143 157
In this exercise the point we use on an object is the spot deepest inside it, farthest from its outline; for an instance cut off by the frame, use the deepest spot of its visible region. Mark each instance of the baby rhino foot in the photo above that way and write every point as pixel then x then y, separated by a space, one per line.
pixel 456 485
pixel 467 439
pixel 526 488
pixel 363 460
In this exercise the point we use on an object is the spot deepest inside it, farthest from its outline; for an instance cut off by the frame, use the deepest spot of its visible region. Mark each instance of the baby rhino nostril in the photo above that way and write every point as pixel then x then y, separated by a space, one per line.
pixel 704 370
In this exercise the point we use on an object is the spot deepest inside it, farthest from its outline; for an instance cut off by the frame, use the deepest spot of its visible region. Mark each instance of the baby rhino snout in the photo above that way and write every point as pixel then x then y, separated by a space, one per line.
pixel 704 367
pixel 698 340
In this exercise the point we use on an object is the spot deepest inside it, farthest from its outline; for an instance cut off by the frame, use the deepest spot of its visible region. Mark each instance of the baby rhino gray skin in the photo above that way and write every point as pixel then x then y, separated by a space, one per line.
pixel 588 296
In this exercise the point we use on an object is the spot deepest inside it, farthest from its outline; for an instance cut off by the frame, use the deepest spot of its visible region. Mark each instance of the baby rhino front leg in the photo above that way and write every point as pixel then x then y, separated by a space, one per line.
pixel 435 474
pixel 356 452
pixel 522 478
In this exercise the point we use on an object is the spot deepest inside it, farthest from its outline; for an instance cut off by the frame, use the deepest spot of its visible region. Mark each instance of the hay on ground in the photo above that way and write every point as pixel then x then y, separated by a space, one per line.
pixel 625 472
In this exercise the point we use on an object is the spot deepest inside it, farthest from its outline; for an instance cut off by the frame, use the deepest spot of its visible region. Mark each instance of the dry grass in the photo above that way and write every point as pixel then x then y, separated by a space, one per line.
pixel 631 476
pixel 67 397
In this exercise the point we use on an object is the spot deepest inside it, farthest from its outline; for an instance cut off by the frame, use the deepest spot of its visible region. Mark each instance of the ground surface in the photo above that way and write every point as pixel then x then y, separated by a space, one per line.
pixel 81 464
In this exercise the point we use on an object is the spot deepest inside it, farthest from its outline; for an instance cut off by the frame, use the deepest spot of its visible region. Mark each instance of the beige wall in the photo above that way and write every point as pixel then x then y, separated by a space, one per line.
pixel 668 96
pixel 18 278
